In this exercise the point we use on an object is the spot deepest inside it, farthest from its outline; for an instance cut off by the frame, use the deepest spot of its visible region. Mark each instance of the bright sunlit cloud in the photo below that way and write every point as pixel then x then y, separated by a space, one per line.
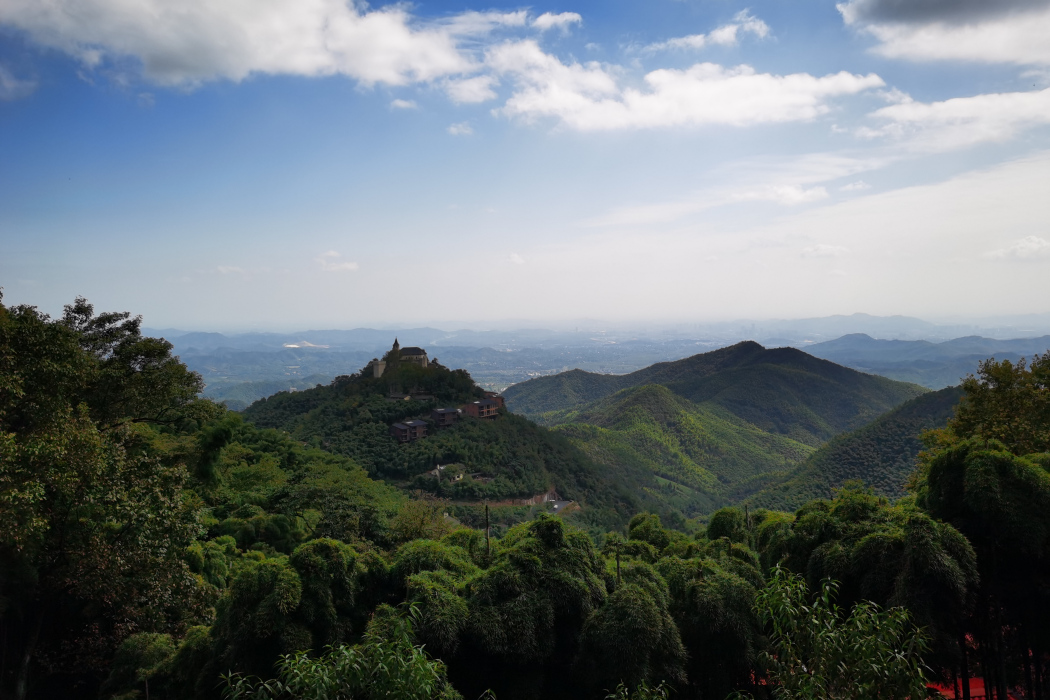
pixel 588 97
pixel 726 35
pixel 961 121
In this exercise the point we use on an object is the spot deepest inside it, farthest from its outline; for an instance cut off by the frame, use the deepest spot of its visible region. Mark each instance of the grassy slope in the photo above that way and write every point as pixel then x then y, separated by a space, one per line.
pixel 882 454
pixel 783 390
pixel 696 452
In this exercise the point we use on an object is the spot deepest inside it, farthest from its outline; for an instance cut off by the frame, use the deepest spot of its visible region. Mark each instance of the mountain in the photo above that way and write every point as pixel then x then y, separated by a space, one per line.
pixel 934 365
pixel 501 460
pixel 782 391
pixel 692 452
pixel 712 428
pixel 882 454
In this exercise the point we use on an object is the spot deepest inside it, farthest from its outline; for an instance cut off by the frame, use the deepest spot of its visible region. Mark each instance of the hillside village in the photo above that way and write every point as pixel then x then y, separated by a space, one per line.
pixel 411 430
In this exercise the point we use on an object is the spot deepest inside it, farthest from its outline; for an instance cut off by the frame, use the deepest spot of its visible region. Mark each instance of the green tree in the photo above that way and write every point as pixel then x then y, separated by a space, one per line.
pixel 384 666
pixel 819 653
pixel 91 528
pixel 1008 402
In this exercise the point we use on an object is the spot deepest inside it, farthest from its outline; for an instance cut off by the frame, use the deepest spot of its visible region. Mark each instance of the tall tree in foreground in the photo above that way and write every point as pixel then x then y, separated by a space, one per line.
pixel 91 528
pixel 988 474
pixel 819 653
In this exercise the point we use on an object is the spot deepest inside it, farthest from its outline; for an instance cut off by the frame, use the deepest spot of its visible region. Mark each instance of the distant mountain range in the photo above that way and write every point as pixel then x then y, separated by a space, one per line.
pixel 240 368
pixel 934 365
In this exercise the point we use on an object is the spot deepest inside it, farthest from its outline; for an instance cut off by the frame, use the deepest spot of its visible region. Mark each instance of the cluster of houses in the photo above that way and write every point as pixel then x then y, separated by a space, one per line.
pixel 411 430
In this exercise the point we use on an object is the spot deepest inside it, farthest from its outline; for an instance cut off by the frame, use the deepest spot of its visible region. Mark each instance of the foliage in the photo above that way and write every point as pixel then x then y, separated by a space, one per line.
pixel 694 452
pixel 517 458
pixel 782 391
pixel 642 692
pixel 1008 402
pixel 91 529
pixel 385 665
pixel 817 653
pixel 882 454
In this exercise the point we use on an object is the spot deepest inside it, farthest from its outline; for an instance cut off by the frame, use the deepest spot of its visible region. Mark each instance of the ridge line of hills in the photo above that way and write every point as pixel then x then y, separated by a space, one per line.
pixel 678 438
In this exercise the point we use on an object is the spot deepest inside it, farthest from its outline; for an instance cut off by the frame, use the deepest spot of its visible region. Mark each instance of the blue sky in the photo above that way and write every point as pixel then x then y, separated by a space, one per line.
pixel 315 163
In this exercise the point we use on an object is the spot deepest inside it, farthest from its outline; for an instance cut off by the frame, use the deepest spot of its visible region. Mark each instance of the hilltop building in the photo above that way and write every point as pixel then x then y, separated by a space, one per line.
pixel 398 354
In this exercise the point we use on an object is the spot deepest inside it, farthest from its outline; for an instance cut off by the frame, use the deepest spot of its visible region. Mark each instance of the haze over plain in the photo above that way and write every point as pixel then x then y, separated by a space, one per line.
pixel 327 164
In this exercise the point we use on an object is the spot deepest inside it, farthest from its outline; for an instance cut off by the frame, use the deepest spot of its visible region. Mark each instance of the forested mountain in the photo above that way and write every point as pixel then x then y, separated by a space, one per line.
pixel 881 454
pixel 509 457
pixel 154 544
pixel 694 451
pixel 710 429
pixel 782 390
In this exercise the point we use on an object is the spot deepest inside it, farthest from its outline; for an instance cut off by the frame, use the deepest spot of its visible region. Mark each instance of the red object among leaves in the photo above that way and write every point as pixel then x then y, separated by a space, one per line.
pixel 977 691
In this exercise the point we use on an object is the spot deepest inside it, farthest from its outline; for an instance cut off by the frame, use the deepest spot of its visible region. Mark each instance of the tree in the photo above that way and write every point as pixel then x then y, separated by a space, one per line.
pixel 91 527
pixel 1008 402
pixel 384 666
pixel 818 654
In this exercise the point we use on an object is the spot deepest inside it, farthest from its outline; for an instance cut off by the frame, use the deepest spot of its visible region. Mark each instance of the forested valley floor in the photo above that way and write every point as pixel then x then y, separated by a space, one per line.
pixel 155 544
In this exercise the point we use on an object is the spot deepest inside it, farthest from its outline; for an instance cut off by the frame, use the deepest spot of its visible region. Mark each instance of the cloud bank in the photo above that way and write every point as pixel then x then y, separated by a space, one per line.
pixel 962 121
pixel 1005 31
pixel 192 41
pixel 589 97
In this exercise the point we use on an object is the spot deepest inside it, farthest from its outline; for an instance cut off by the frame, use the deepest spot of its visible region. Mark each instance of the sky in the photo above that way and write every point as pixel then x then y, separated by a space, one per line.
pixel 290 164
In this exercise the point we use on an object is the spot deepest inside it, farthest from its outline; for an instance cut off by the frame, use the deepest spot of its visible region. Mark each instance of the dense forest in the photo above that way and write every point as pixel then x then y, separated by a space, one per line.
pixel 155 544
pixel 716 428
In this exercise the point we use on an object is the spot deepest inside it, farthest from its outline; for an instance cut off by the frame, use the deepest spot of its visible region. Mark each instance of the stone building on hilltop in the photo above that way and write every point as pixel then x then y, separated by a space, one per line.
pixel 397 355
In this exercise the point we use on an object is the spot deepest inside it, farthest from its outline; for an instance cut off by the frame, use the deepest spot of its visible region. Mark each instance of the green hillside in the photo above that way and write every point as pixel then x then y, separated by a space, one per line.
pixel 881 454
pixel 782 390
pixel 695 452
pixel 510 456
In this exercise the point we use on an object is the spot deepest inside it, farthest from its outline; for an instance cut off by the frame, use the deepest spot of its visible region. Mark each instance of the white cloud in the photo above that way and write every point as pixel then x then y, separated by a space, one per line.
pixel 191 41
pixel 857 186
pixel 330 262
pixel 990 32
pixel 403 104
pixel 229 270
pixel 12 88
pixel 562 21
pixel 474 24
pixel 461 129
pixel 788 195
pixel 472 90
pixel 823 250
pixel 962 121
pixel 1028 248
pixel 588 97
pixel 788 182
pixel 726 35
pixel 516 259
